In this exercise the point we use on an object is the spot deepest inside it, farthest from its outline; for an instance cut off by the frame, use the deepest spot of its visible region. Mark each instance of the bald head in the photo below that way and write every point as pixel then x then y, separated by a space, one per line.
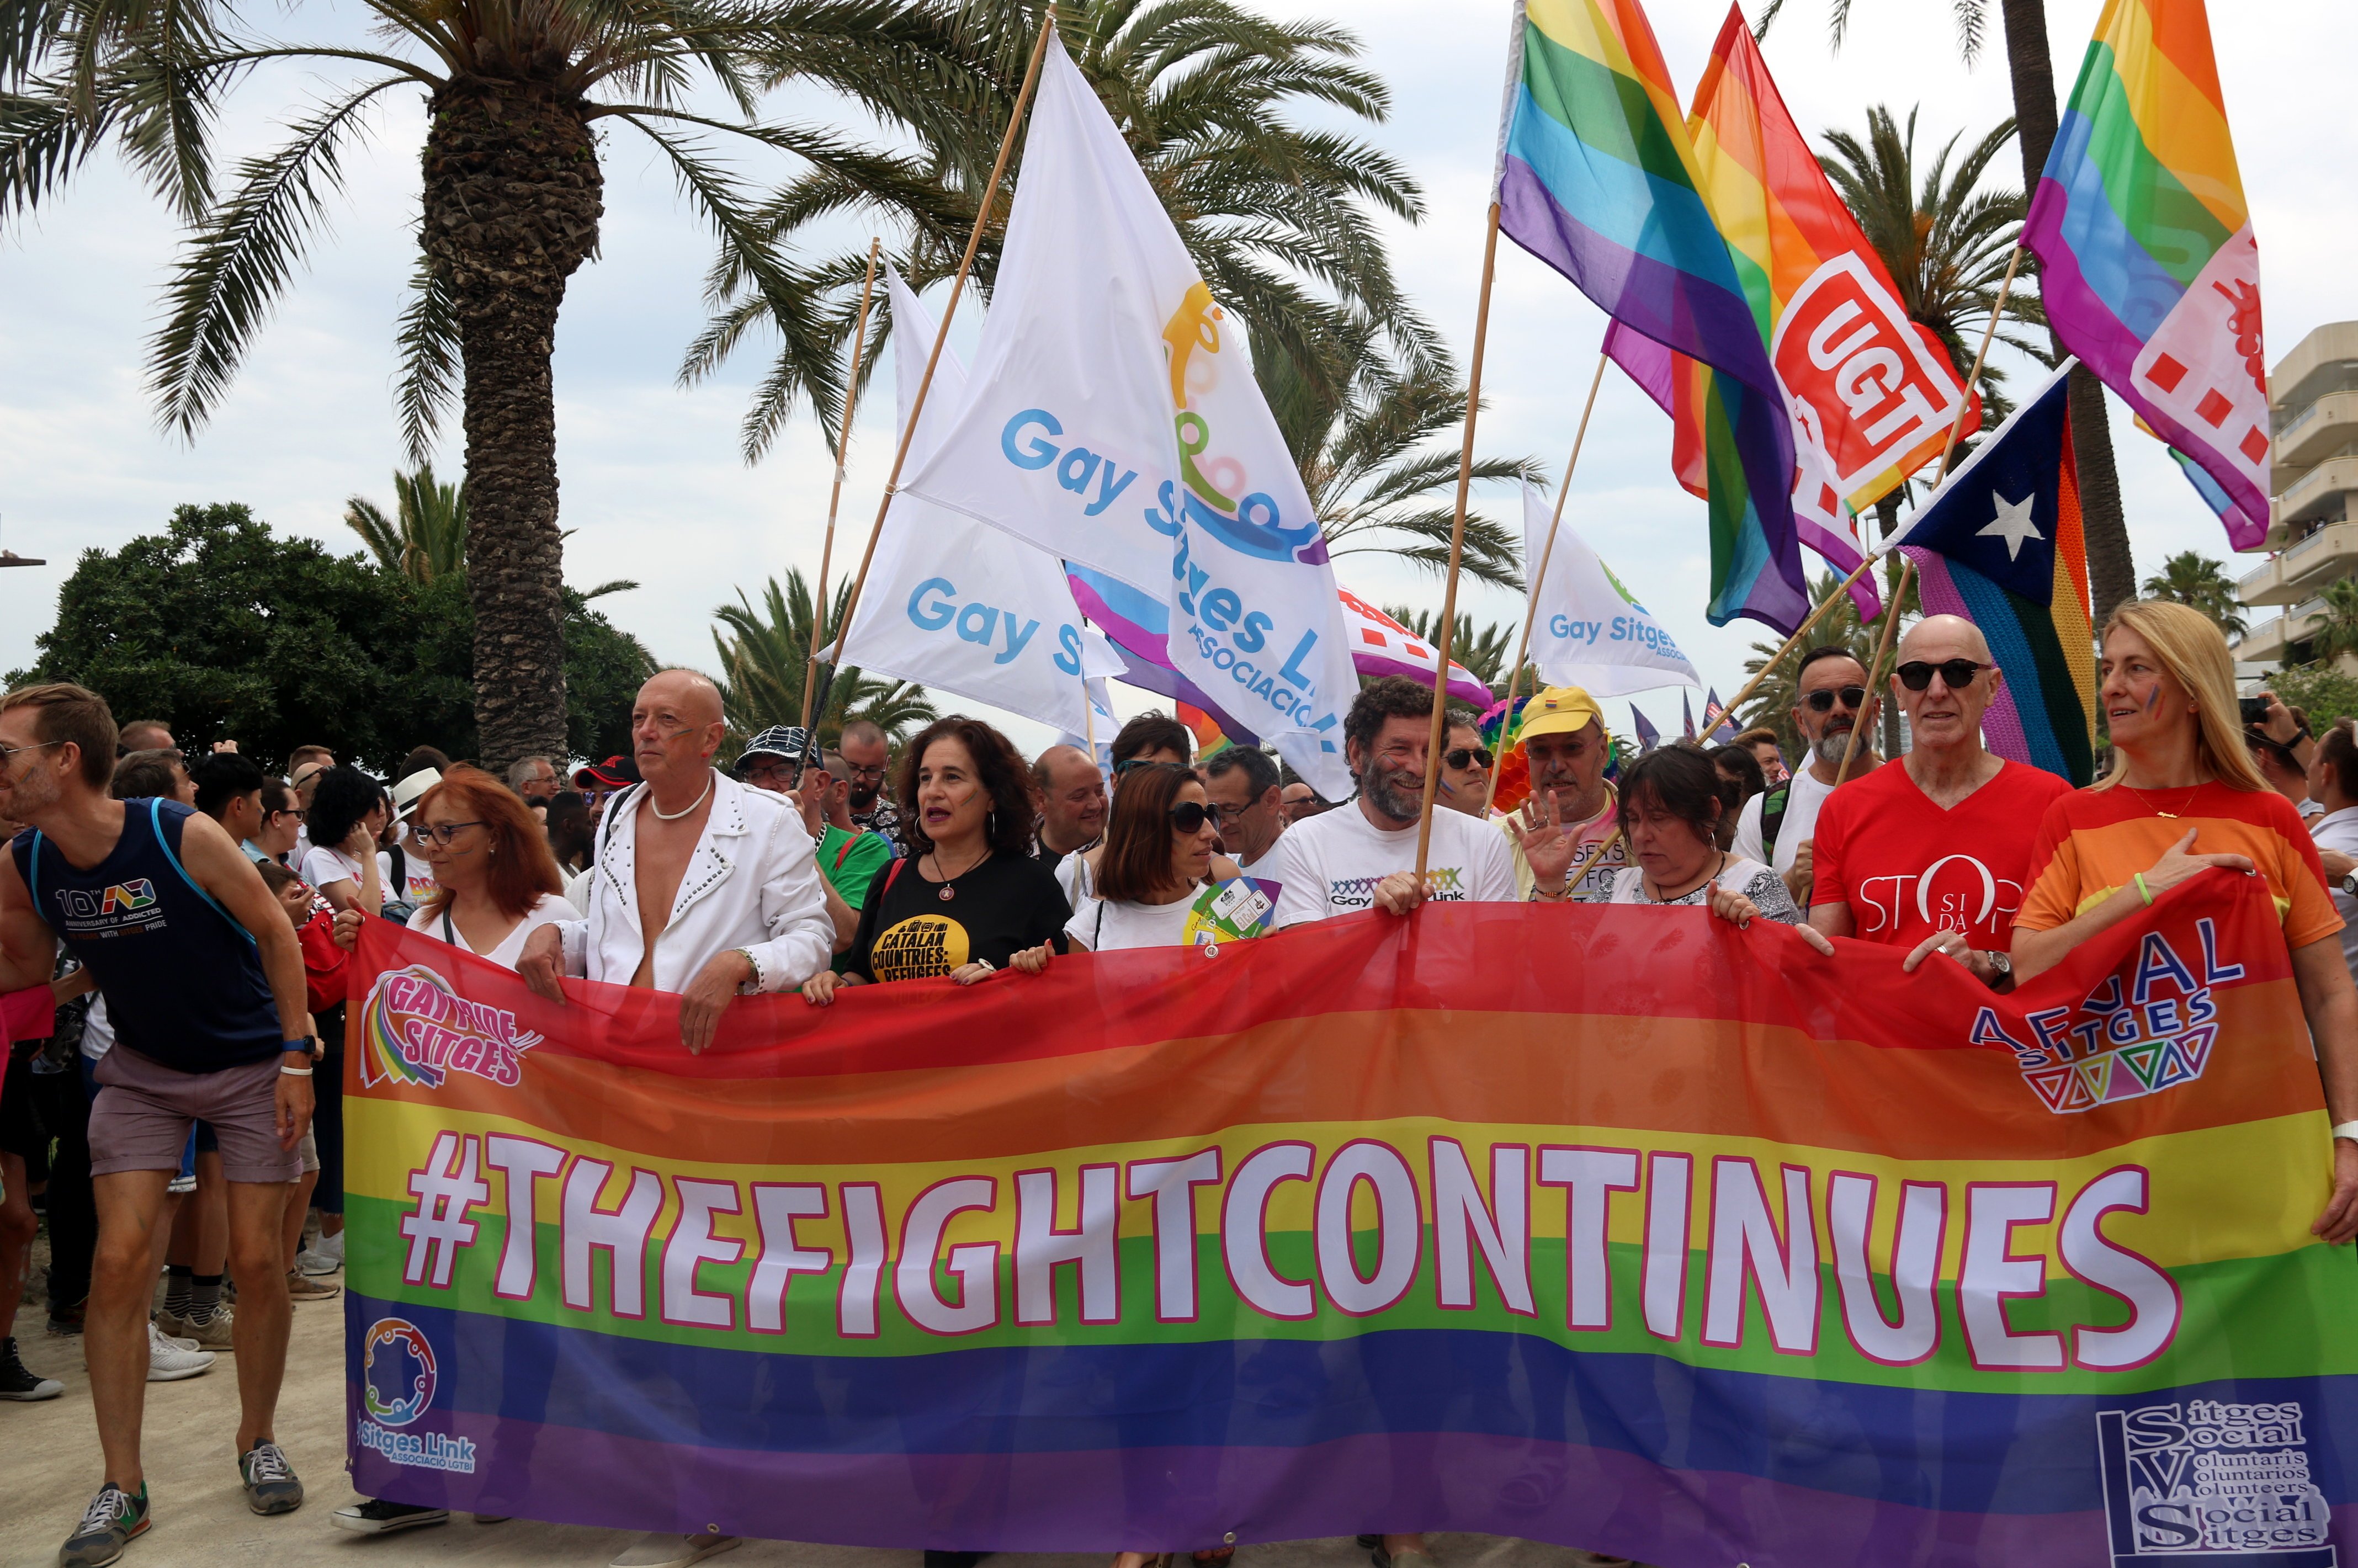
pixel 1072 798
pixel 1938 637
pixel 688 696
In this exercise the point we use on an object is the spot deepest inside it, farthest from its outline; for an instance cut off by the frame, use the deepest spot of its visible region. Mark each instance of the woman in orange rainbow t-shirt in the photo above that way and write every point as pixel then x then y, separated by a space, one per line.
pixel 2182 797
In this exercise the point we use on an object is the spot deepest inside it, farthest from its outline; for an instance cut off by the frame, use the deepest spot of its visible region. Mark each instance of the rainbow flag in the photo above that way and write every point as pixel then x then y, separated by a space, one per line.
pixel 1597 177
pixel 1872 392
pixel 2001 545
pixel 2148 269
pixel 1691 1247
pixel 1209 741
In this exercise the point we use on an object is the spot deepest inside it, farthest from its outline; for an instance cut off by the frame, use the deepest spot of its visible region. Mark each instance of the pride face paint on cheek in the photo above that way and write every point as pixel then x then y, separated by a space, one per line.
pixel 2153 700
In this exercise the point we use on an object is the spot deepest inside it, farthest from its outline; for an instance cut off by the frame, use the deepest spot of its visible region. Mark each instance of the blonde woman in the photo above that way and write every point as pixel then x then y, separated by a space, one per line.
pixel 2183 796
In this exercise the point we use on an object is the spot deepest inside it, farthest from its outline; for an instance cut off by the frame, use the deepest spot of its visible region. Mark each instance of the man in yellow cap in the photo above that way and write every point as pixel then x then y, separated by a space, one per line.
pixel 1572 810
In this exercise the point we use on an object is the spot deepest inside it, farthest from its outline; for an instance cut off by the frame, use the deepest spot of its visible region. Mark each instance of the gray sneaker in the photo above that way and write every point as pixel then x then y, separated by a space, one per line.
pixel 270 1484
pixel 114 1517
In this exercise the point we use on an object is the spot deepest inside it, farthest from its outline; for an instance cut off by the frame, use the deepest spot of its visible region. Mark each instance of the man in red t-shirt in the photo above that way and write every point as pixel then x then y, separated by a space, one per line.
pixel 1930 851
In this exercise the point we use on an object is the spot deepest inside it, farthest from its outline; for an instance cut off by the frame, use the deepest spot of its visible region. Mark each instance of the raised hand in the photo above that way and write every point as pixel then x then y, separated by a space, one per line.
pixel 1549 847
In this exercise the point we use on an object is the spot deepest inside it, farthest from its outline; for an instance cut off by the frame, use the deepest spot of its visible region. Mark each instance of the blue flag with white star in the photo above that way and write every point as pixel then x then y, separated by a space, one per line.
pixel 2000 544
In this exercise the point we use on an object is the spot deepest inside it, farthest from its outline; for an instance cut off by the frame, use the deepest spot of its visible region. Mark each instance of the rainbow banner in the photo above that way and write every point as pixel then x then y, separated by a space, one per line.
pixel 1684 1244
pixel 2149 270
pixel 1597 177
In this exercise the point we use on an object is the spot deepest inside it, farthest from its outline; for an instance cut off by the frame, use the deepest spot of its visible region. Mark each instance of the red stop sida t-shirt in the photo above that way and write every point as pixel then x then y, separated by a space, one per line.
pixel 1908 868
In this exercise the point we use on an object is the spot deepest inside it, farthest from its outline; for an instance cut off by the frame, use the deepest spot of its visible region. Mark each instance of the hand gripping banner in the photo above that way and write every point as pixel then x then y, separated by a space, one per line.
pixel 1621 1228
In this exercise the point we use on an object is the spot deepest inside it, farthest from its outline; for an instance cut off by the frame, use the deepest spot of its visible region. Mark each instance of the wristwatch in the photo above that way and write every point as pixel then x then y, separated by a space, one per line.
pixel 2350 884
pixel 2001 967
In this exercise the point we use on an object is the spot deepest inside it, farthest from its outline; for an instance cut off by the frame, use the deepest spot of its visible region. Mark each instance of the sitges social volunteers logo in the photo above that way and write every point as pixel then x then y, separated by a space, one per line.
pixel 397 1372
pixel 1251 525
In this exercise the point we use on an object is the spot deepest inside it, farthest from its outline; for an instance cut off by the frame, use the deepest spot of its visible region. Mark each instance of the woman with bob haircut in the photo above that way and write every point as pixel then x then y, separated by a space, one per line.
pixel 349 809
pixel 1159 849
pixel 494 879
pixel 968 896
pixel 2183 796
pixel 1672 801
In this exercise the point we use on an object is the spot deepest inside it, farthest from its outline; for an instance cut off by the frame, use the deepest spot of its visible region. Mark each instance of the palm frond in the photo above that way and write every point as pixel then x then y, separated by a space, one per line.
pixel 426 334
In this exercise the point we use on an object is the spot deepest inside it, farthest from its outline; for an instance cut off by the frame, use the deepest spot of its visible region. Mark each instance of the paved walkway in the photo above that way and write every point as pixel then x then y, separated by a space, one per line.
pixel 50 1466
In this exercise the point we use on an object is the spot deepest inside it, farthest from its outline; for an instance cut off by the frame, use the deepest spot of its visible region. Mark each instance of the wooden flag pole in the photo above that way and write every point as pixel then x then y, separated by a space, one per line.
pixel 1876 677
pixel 1547 553
pixel 835 494
pixel 1456 547
pixel 958 289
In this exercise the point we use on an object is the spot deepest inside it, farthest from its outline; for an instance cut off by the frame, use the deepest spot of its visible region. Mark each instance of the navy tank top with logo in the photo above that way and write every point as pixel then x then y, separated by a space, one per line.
pixel 182 979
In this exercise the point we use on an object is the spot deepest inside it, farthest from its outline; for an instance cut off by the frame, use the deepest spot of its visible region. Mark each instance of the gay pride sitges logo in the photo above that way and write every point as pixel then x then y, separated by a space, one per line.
pixel 415 1030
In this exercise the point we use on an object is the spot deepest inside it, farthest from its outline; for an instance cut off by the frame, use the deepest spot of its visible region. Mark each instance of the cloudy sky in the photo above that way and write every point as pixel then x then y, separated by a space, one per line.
pixel 652 477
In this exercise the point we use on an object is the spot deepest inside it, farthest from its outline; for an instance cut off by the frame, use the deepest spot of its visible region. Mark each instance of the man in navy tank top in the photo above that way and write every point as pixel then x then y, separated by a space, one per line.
pixel 203 981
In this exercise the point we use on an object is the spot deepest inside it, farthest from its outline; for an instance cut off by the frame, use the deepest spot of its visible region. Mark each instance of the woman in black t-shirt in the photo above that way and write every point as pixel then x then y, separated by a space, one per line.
pixel 968 896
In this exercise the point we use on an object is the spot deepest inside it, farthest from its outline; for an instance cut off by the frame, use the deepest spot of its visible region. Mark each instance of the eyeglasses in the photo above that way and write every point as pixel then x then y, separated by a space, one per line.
pixel 1853 697
pixel 1189 816
pixel 1955 674
pixel 8 753
pixel 780 768
pixel 1478 756
pixel 856 770
pixel 1132 763
pixel 441 834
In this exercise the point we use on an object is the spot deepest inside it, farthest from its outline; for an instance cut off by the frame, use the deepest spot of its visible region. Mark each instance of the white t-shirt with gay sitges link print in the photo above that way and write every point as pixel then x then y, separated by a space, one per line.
pixel 1331 864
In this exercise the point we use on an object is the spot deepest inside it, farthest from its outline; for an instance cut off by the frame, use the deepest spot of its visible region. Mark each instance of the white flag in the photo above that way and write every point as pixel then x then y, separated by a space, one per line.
pixel 1586 629
pixel 950 603
pixel 1114 421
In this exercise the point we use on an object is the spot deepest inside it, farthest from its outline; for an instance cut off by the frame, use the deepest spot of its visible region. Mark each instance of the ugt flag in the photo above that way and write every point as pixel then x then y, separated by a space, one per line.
pixel 1113 420
pixel 1586 629
pixel 1667 1239
pixel 953 604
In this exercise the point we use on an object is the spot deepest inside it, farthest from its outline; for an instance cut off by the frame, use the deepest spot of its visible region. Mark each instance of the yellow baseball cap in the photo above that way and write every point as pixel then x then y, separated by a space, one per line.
pixel 1560 710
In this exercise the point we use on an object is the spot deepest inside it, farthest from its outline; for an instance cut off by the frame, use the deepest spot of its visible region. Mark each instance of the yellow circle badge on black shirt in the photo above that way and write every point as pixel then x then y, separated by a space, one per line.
pixel 918 948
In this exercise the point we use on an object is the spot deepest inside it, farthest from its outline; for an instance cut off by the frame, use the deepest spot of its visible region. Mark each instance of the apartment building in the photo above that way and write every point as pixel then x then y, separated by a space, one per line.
pixel 2313 519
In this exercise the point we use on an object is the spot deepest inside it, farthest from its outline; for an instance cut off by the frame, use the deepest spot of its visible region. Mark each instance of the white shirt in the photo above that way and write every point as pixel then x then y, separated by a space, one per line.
pixel 2339 830
pixel 1331 864
pixel 322 867
pixel 1111 925
pixel 2311 808
pixel 1801 821
pixel 548 910
pixel 1264 869
pixel 97 1030
pixel 751 882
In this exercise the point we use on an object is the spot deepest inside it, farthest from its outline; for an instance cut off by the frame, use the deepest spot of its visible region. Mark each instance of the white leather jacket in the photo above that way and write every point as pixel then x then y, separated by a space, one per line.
pixel 753 882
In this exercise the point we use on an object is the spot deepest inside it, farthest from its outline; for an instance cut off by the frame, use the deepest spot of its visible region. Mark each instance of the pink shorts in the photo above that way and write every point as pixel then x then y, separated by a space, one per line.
pixel 141 1118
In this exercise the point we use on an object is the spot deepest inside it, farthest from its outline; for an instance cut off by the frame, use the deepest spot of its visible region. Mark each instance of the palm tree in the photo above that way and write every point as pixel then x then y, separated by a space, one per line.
pixel 1485 650
pixel 518 92
pixel 2333 631
pixel 2031 66
pixel 1771 702
pixel 1281 220
pixel 427 535
pixel 767 651
pixel 2194 580
pixel 1377 479
pixel 1944 241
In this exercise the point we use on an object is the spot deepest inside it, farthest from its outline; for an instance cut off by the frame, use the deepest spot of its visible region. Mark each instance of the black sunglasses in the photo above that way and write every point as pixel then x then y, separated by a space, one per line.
pixel 1189 816
pixel 1955 674
pixel 1477 755
pixel 1853 697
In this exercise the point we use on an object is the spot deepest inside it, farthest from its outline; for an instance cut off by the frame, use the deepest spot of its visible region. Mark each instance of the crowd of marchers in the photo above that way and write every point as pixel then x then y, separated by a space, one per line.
pixel 175 932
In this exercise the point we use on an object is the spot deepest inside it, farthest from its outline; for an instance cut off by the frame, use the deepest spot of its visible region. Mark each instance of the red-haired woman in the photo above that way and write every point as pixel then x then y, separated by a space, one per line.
pixel 495 878
pixel 1158 851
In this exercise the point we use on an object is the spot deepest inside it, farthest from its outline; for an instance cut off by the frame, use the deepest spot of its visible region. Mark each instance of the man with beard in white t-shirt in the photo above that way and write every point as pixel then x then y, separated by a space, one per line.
pixel 1363 855
pixel 1831 699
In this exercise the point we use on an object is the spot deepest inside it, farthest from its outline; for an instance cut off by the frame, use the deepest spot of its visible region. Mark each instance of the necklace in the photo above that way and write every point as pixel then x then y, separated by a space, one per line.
pixel 949 892
pixel 691 805
pixel 2158 811
pixel 1706 881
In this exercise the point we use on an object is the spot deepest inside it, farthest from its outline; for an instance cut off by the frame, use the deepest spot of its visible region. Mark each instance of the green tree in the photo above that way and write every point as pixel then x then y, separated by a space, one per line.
pixel 1378 477
pixel 765 652
pixel 2199 582
pixel 2325 694
pixel 1771 702
pixel 1945 241
pixel 2333 631
pixel 1282 220
pixel 1485 650
pixel 230 632
pixel 427 535
pixel 2030 68
pixel 511 201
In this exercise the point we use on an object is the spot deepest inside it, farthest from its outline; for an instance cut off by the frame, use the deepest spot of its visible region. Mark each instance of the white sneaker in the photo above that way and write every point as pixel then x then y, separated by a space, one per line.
pixel 331 1247
pixel 316 1263
pixel 168 1362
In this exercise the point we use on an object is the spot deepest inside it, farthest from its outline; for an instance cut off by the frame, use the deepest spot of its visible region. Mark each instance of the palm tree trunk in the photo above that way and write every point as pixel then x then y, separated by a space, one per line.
pixel 513 196
pixel 2112 574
